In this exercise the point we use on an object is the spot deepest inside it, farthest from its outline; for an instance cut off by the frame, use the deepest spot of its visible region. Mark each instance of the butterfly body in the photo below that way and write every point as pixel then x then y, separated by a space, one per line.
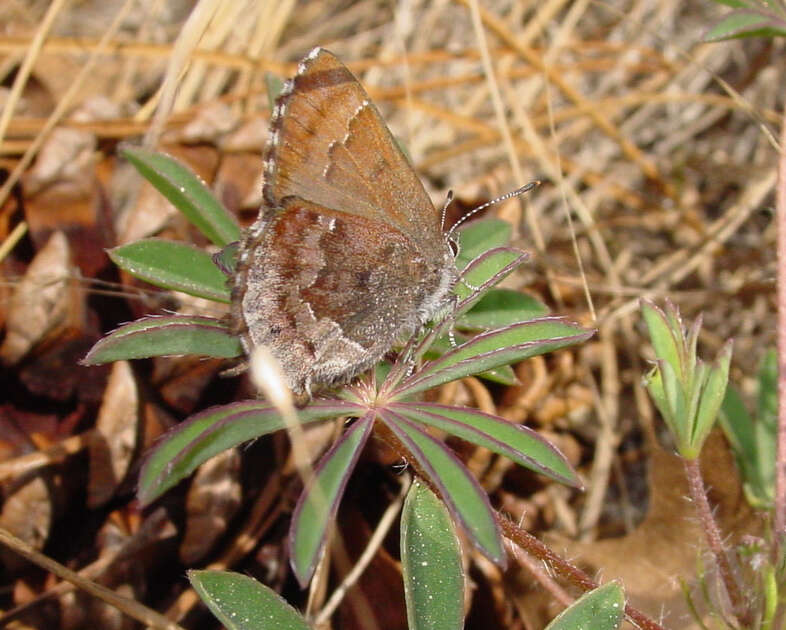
pixel 348 254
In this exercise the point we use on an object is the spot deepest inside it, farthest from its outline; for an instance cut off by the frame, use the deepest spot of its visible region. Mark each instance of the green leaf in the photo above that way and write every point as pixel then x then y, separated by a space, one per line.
pixel 700 376
pixel 653 381
pixel 736 4
pixel 711 398
pixel 503 375
pixel 601 609
pixel 518 443
pixel 760 490
pixel 753 440
pixel 493 349
pixel 737 424
pixel 481 275
pixel 767 403
pixel 690 355
pixel 186 192
pixel 203 435
pixel 157 336
pixel 484 272
pixel 226 259
pixel 749 444
pixel 502 307
pixel 666 336
pixel 318 503
pixel 173 265
pixel 241 603
pixel 480 236
pixel 431 563
pixel 465 499
pixel 675 414
pixel 745 23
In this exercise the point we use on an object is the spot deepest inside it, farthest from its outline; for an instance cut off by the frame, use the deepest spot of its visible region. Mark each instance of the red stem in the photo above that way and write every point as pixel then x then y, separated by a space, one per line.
pixel 714 541
pixel 573 574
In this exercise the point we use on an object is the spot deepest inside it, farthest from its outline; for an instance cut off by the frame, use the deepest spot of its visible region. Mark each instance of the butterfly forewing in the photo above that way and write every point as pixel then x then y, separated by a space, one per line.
pixel 330 146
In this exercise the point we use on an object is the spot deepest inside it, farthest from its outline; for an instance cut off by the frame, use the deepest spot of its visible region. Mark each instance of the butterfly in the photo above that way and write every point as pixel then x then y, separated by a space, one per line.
pixel 348 254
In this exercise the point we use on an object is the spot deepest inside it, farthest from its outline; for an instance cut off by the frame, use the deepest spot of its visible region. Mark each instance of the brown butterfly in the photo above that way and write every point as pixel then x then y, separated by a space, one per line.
pixel 348 254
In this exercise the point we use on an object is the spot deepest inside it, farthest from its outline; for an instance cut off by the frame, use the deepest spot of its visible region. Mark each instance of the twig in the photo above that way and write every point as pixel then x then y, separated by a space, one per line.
pixel 155 528
pixel 132 608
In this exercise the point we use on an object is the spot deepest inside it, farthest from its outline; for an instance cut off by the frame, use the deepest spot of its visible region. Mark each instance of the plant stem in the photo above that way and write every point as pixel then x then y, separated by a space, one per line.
pixel 780 461
pixel 573 574
pixel 712 532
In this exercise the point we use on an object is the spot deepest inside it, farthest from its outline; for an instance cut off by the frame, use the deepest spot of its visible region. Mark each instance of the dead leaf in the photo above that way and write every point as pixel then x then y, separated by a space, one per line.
pixel 371 600
pixel 116 434
pixel 67 155
pixel 182 380
pixel 237 181
pixel 26 513
pixel 665 547
pixel 212 501
pixel 250 136
pixel 41 300
pixel 212 121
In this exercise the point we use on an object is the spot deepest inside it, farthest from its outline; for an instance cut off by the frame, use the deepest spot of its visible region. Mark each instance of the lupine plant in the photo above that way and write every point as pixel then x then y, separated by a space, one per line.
pixel 491 329
pixel 690 395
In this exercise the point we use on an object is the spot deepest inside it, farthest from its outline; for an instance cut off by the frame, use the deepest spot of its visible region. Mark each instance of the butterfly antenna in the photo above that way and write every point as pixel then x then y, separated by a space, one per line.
pixel 505 197
pixel 448 201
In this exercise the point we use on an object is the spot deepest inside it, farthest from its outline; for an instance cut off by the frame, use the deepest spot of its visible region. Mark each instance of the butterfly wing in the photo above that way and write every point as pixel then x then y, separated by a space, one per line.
pixel 330 146
pixel 329 293
pixel 348 253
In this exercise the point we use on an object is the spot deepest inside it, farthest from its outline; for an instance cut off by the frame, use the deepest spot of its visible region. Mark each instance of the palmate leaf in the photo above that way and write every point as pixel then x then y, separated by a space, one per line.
pixel 514 441
pixel 464 497
pixel 240 602
pixel 687 391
